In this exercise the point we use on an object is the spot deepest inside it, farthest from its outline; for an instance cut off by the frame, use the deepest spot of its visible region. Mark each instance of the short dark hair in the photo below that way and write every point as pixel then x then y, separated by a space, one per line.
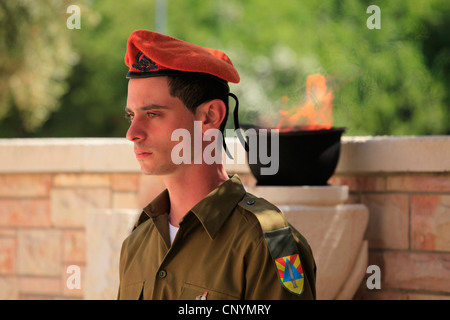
pixel 197 89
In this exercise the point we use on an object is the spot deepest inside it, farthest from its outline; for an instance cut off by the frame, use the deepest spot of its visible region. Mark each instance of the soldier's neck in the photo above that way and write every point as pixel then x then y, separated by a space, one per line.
pixel 188 188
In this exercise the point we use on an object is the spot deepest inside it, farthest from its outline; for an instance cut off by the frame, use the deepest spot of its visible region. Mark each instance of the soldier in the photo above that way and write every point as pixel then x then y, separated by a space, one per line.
pixel 204 236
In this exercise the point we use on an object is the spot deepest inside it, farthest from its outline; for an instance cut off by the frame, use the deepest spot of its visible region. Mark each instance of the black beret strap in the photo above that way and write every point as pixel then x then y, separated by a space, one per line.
pixel 236 126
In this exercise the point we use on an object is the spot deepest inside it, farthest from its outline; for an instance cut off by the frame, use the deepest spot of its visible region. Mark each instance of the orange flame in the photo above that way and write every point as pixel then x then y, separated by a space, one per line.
pixel 315 113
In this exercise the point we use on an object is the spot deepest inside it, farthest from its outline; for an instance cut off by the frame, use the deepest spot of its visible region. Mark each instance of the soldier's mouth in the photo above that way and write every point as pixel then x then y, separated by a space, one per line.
pixel 142 154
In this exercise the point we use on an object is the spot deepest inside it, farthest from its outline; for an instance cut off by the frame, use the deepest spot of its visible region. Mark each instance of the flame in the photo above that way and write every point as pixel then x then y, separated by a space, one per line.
pixel 315 113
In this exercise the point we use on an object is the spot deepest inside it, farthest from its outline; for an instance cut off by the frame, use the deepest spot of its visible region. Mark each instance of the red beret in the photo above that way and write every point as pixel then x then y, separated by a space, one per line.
pixel 151 54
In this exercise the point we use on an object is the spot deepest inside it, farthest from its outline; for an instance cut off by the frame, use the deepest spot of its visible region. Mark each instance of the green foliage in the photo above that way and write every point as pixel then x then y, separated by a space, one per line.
pixel 392 80
pixel 35 59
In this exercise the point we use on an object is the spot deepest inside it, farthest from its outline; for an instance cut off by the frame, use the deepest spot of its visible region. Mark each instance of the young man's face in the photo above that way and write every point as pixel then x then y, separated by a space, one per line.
pixel 154 115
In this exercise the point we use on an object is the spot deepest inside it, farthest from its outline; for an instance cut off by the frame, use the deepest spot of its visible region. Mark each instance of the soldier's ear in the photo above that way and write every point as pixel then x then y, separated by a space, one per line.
pixel 211 113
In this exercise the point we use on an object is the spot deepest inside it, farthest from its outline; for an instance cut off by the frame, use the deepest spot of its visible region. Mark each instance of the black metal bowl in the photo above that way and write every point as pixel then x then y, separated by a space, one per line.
pixel 306 157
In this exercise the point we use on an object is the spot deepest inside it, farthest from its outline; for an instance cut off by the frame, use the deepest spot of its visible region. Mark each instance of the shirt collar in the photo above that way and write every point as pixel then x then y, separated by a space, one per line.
pixel 214 209
pixel 159 206
pixel 211 211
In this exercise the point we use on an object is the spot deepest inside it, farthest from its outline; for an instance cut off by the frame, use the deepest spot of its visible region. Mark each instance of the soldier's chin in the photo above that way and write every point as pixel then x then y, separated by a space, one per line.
pixel 158 171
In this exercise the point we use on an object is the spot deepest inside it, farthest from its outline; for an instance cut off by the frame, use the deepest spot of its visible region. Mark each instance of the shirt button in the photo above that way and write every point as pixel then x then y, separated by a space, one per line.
pixel 162 274
pixel 250 201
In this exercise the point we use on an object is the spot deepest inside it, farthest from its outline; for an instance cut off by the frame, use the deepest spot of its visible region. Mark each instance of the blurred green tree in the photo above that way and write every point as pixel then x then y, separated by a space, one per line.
pixel 35 59
pixel 392 80
pixel 382 81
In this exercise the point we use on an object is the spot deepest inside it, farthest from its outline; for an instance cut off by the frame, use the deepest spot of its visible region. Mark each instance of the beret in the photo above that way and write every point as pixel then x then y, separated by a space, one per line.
pixel 151 54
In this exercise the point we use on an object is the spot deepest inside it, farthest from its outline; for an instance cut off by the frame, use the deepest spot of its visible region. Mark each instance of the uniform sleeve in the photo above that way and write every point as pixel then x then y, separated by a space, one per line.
pixel 262 279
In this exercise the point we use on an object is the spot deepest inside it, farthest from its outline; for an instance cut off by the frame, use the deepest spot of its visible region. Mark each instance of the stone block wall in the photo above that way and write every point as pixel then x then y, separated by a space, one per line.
pixel 405 183
pixel 42 226
pixel 49 186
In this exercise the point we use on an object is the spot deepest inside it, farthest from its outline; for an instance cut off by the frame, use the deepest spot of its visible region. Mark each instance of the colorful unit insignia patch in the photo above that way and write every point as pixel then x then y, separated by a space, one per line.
pixel 286 258
pixel 290 272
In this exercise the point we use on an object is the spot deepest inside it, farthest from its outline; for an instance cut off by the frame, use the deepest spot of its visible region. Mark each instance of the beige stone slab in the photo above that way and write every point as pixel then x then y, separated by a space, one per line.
pixel 416 271
pixel 302 195
pixel 356 275
pixel 430 222
pixel 40 155
pixel 81 180
pixel 7 232
pixel 74 246
pixel 394 154
pixel 389 220
pixel 25 212
pixel 428 183
pixel 360 183
pixel 69 206
pixel 335 235
pixel 125 200
pixel 9 289
pixel 125 181
pixel 25 185
pixel 8 247
pixel 67 155
pixel 40 285
pixel 423 296
pixel 109 155
pixel 39 252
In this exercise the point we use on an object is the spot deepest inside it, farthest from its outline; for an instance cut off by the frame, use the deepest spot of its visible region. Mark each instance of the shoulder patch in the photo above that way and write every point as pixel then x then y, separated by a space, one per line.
pixel 280 242
pixel 285 255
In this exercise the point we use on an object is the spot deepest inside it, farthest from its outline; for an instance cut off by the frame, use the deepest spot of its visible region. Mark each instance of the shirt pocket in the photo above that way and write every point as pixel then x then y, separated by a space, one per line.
pixel 131 291
pixel 194 292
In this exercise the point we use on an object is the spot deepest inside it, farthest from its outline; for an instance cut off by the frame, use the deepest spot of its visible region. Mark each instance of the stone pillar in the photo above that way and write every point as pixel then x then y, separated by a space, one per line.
pixel 334 230
pixel 105 231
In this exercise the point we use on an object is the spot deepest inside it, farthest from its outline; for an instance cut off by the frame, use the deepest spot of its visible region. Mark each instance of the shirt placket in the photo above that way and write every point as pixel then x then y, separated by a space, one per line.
pixel 167 284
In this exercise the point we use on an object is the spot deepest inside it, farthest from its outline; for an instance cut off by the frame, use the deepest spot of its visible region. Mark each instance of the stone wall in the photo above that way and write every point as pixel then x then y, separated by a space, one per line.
pixel 42 226
pixel 50 187
pixel 405 183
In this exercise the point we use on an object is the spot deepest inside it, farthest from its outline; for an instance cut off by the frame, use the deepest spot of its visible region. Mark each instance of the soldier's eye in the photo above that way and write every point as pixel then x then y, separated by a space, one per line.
pixel 129 116
pixel 152 114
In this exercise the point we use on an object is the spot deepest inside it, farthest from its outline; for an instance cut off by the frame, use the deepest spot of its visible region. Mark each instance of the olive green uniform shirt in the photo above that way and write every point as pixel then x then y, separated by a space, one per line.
pixel 221 251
